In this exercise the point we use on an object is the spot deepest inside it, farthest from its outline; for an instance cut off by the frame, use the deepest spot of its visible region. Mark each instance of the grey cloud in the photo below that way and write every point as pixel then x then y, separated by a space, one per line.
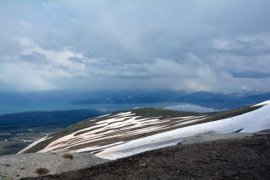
pixel 242 48
pixel 191 45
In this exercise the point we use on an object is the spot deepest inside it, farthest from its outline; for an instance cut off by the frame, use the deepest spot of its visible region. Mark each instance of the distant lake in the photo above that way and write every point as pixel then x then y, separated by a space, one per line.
pixel 105 108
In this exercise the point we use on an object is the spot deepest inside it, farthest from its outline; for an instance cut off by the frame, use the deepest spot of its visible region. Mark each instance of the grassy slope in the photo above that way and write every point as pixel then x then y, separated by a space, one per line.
pixel 162 113
pixel 145 112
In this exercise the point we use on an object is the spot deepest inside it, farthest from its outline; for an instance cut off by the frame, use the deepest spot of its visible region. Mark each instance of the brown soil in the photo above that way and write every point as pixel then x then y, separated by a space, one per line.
pixel 247 158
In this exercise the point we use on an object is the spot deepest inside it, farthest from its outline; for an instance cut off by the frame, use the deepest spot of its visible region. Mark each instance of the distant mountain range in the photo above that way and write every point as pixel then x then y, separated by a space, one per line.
pixel 19 102
pixel 208 99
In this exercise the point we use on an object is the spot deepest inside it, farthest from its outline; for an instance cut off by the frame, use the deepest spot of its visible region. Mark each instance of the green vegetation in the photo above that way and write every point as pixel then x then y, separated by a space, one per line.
pixel 50 119
pixel 17 127
pixel 68 156
pixel 163 113
pixel 232 113
pixel 11 147
pixel 225 114
pixel 42 171
pixel 3 177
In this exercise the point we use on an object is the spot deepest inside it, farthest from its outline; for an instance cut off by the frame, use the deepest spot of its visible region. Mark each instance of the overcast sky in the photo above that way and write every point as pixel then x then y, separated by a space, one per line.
pixel 194 45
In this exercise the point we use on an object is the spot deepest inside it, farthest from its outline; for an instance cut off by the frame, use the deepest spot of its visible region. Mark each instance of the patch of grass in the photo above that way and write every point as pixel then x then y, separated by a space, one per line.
pixel 68 156
pixel 163 113
pixel 4 177
pixel 42 171
pixel 232 113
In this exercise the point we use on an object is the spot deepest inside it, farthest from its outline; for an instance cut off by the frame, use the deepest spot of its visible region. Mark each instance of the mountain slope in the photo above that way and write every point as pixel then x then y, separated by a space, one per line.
pixel 126 133
pixel 244 158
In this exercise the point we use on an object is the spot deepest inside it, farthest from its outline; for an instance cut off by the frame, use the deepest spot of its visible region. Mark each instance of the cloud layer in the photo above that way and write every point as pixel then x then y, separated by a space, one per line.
pixel 127 44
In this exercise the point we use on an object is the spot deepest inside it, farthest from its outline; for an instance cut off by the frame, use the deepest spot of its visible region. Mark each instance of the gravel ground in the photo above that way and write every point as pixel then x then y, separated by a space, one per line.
pixel 25 165
pixel 242 158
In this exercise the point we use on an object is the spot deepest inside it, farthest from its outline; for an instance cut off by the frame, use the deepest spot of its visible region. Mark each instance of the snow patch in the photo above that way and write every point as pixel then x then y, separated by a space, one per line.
pixel 263 103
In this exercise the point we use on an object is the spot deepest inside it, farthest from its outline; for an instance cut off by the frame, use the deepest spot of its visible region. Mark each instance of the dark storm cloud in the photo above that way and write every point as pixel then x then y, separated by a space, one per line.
pixel 248 74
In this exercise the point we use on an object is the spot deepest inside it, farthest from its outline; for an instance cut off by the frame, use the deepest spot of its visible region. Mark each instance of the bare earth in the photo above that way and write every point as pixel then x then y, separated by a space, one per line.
pixel 25 165
pixel 242 158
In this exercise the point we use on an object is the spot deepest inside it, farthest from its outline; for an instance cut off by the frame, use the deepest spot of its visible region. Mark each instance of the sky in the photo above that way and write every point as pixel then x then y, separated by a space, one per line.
pixel 192 45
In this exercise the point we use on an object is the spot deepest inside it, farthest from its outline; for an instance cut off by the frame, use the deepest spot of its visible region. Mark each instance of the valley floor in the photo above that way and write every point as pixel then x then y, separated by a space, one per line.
pixel 246 158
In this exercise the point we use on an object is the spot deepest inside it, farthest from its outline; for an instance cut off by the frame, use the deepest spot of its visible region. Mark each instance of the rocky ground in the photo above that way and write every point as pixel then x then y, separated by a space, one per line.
pixel 26 165
pixel 241 158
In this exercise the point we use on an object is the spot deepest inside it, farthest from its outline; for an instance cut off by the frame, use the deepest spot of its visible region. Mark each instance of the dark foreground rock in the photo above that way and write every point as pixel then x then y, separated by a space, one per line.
pixel 247 158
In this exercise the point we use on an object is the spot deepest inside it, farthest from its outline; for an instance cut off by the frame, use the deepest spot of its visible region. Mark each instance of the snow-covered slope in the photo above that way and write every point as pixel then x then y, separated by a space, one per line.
pixel 127 133
pixel 96 134
pixel 253 121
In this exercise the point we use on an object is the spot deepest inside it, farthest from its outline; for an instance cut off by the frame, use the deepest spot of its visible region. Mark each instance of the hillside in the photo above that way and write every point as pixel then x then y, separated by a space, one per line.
pixel 156 143
pixel 18 130
pixel 126 133
pixel 246 158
